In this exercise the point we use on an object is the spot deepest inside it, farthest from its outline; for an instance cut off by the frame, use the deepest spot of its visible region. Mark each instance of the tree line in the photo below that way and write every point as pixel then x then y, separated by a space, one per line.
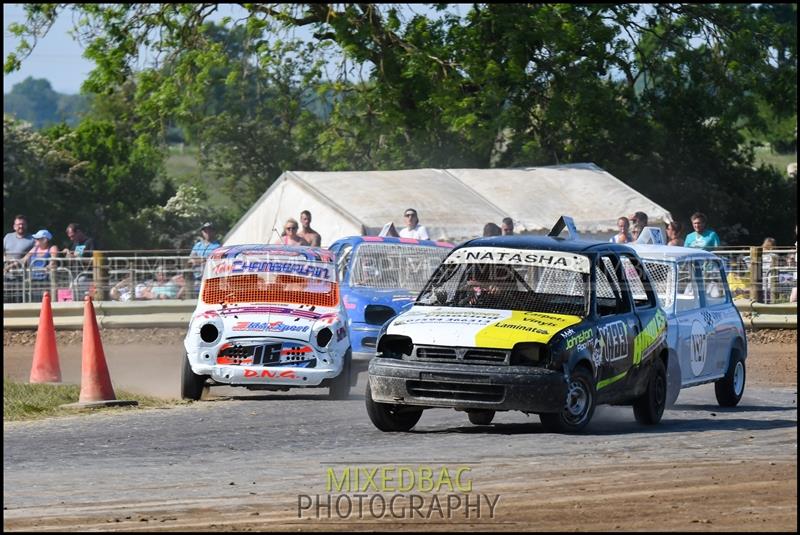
pixel 671 98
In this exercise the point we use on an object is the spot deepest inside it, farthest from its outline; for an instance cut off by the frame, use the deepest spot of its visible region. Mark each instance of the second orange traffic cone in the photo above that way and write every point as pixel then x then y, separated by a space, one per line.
pixel 45 368
pixel 95 379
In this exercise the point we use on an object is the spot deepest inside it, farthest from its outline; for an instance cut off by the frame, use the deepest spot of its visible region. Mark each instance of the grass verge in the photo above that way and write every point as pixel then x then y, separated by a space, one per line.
pixel 23 401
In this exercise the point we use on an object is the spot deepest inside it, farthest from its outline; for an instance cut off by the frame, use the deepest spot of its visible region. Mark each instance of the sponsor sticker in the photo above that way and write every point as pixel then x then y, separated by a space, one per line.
pixel 523 257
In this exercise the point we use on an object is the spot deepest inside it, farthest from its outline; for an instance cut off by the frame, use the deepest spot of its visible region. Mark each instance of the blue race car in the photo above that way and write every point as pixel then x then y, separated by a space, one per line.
pixel 378 278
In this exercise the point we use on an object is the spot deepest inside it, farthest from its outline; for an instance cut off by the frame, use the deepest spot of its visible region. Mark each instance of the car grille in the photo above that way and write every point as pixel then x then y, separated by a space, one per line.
pixel 462 354
pixel 455 391
pixel 255 355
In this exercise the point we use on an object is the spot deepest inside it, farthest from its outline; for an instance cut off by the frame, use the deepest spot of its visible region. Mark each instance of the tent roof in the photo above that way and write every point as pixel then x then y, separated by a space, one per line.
pixel 454 204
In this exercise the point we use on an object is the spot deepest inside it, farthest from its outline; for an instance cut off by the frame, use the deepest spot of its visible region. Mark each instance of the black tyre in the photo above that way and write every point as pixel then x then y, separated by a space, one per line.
pixel 730 388
pixel 340 385
pixel 649 407
pixel 673 380
pixel 192 385
pixel 479 417
pixel 389 417
pixel 578 406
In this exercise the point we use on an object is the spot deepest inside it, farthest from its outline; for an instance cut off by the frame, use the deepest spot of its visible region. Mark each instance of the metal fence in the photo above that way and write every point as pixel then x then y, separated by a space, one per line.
pixel 764 276
pixel 106 276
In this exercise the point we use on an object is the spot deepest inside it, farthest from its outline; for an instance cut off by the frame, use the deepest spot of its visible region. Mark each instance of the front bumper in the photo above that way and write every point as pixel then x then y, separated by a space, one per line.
pixel 277 368
pixel 467 386
pixel 364 339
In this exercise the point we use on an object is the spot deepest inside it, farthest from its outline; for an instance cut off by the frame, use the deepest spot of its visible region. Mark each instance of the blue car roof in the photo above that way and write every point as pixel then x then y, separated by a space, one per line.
pixel 389 239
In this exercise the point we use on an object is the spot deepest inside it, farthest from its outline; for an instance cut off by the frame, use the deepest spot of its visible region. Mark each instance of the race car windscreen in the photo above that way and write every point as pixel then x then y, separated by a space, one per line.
pixel 270 279
pixel 389 265
pixel 511 279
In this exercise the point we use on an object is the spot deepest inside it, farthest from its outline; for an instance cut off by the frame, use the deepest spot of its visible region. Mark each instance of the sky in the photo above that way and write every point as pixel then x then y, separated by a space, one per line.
pixel 58 57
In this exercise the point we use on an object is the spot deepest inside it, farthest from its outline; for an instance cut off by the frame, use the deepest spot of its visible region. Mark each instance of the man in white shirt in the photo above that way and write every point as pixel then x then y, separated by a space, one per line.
pixel 413 228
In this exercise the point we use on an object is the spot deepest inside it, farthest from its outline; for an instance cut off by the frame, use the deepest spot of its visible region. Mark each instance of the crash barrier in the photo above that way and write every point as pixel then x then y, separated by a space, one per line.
pixel 177 313
pixel 767 316
pixel 167 313
pixel 106 275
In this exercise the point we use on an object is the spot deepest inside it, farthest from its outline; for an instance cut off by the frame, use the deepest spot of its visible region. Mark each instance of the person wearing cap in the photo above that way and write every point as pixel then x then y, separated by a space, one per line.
pixel 42 261
pixel 413 229
pixel 202 249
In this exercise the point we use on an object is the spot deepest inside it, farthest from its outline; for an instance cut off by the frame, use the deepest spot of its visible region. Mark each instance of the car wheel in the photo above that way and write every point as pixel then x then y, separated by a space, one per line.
pixel 578 406
pixel 649 407
pixel 480 417
pixel 730 388
pixel 673 380
pixel 389 417
pixel 192 385
pixel 340 385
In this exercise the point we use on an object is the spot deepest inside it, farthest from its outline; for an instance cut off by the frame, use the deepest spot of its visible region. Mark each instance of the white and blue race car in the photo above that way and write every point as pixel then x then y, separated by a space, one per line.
pixel 705 332
pixel 269 317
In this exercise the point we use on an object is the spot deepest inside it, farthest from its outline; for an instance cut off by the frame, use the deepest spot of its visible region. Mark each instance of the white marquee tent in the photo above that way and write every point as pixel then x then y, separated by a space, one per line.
pixel 454 204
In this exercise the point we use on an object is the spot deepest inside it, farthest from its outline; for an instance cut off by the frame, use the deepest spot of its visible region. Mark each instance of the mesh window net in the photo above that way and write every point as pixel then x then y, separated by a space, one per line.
pixel 270 279
pixel 388 265
pixel 508 287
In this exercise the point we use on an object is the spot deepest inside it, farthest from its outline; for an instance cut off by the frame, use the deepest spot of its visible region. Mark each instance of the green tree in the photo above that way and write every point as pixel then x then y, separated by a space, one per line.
pixel 660 94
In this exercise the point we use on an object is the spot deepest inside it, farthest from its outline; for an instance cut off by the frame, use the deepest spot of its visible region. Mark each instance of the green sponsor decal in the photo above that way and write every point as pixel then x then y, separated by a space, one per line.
pixel 649 335
pixel 605 382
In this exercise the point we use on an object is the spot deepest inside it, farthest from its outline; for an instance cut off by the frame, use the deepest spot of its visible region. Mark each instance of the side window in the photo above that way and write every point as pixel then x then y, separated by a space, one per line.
pixel 608 293
pixel 663 279
pixel 713 283
pixel 687 296
pixel 342 259
pixel 636 278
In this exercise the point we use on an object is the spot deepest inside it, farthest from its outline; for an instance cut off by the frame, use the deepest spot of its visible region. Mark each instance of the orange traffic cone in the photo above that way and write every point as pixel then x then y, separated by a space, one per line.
pixel 45 368
pixel 96 389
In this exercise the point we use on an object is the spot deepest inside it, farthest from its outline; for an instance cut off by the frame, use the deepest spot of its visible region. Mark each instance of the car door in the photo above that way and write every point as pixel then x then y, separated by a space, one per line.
pixel 692 331
pixel 651 320
pixel 718 315
pixel 617 325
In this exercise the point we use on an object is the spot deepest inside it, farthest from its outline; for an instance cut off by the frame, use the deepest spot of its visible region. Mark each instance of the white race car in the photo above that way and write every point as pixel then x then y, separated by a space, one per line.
pixel 268 317
pixel 706 334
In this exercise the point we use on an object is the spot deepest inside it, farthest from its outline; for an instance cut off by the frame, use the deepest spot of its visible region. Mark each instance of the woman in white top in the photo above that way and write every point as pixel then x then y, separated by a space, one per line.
pixel 624 235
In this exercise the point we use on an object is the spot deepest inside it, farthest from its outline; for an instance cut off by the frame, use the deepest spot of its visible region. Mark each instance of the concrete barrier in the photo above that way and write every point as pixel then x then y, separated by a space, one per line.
pixel 177 313
pixel 110 314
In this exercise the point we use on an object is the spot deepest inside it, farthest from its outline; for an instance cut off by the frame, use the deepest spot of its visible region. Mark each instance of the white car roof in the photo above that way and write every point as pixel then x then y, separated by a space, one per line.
pixel 669 252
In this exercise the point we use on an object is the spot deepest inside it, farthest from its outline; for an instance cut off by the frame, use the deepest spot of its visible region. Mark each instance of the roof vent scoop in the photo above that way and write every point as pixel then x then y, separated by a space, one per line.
pixel 564 221
pixel 651 235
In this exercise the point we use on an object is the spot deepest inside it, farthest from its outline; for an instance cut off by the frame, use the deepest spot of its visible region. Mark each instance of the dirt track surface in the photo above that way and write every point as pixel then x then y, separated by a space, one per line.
pixel 240 463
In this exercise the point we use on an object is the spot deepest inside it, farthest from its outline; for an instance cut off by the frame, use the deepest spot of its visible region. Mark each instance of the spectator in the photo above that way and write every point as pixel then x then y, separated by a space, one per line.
pixel 491 229
pixel 624 234
pixel 413 228
pixel 164 287
pixel 291 237
pixel 82 245
pixel 16 244
pixel 674 232
pixel 640 219
pixel 42 262
pixel 122 290
pixel 201 250
pixel 635 231
pixel 701 238
pixel 307 233
pixel 793 295
pixel 507 226
pixel 769 261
